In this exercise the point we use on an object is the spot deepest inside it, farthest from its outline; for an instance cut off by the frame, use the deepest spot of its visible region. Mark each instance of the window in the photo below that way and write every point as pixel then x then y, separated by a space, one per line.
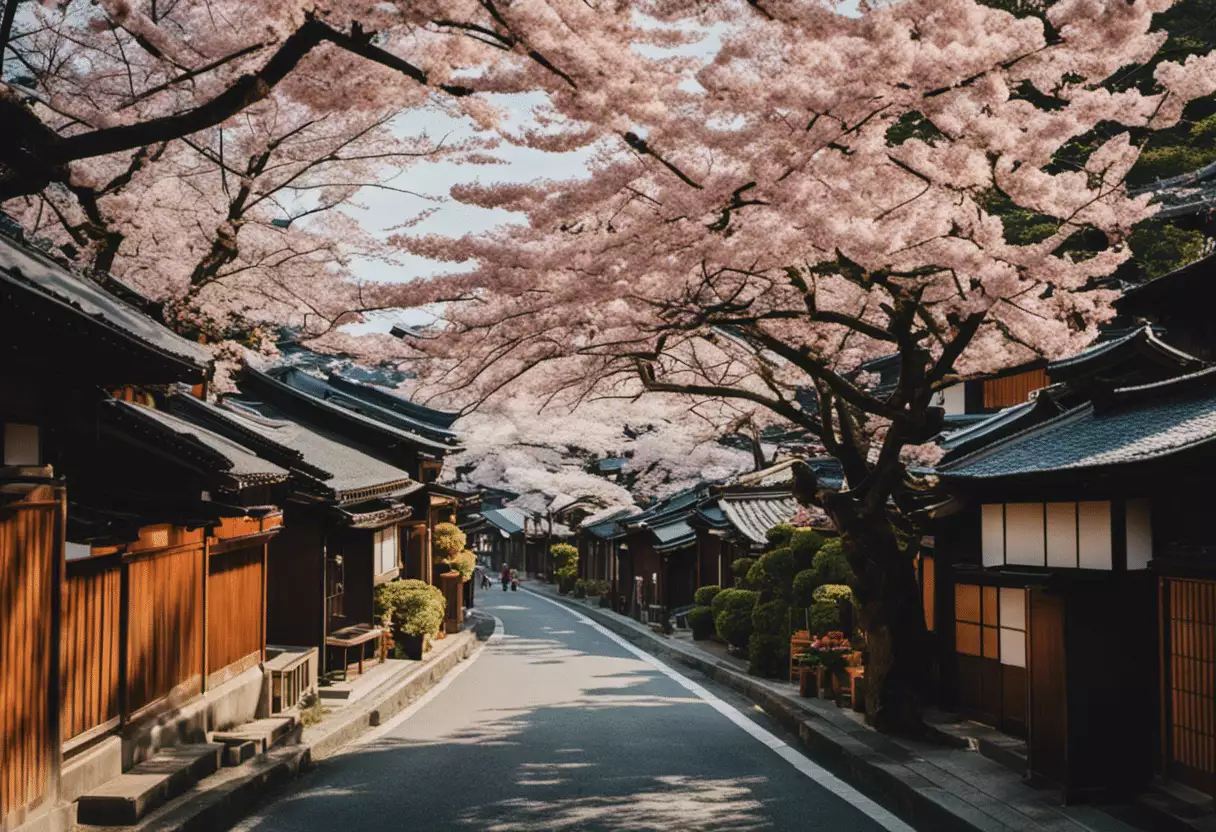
pixel 1058 535
pixel 22 445
pixel 990 622
pixel 386 550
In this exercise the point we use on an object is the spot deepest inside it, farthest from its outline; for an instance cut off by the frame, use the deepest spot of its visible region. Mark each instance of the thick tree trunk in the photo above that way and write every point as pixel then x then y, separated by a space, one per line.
pixel 890 613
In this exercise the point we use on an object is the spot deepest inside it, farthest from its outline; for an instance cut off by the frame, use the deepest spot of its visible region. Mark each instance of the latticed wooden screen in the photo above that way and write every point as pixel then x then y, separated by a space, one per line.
pixel 1191 668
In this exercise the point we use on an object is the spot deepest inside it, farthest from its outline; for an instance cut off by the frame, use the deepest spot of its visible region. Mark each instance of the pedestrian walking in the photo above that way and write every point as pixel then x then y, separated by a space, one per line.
pixel 506 576
pixel 514 581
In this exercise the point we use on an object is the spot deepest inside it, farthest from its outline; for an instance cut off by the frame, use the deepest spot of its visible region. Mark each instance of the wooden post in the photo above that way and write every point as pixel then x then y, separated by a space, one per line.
pixel 454 615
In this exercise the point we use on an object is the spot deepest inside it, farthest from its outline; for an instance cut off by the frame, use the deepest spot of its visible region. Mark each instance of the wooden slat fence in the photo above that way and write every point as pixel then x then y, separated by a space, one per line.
pixel 235 618
pixel 165 625
pixel 29 535
pixel 89 645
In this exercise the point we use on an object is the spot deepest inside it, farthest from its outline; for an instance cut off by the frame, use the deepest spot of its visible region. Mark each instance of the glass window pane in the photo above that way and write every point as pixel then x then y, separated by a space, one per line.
pixel 1013 608
pixel 967 603
pixel 990 606
pixel 1013 647
pixel 992 643
pixel 967 639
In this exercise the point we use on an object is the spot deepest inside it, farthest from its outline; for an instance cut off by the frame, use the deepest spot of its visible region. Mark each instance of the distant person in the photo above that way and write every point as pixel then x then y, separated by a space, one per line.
pixel 514 581
pixel 506 576
pixel 486 583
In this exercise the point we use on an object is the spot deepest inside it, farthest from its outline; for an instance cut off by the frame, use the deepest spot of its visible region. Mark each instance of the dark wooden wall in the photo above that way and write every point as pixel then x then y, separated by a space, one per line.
pixel 235 622
pixel 1011 390
pixel 29 548
pixel 165 624
pixel 90 644
pixel 294 588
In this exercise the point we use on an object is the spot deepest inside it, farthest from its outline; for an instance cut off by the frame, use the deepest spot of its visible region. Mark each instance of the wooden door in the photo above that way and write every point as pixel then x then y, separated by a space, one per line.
pixel 1048 705
pixel 30 553
pixel 1189 670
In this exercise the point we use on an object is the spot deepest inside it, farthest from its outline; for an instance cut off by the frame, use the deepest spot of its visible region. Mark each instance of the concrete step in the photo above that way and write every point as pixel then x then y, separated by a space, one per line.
pixel 127 798
pixel 263 734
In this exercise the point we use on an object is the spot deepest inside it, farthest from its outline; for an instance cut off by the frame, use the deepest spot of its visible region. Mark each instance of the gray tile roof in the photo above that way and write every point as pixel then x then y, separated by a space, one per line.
pixel 673 535
pixel 310 391
pixel 33 269
pixel 1140 343
pixel 1002 423
pixel 510 520
pixel 242 463
pixel 337 467
pixel 421 414
pixel 1139 424
pixel 754 514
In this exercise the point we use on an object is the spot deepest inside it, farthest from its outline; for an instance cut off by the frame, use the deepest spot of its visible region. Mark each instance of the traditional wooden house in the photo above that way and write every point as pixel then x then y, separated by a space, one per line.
pixel 407 436
pixel 658 563
pixel 599 540
pixel 342 521
pixel 123 534
pixel 497 536
pixel 1039 588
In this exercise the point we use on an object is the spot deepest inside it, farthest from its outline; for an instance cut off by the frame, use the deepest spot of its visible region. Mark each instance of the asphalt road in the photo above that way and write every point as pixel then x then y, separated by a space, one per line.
pixel 556 724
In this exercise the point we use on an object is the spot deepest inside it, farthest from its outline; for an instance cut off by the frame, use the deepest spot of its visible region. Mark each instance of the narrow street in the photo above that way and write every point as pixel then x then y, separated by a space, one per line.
pixel 558 725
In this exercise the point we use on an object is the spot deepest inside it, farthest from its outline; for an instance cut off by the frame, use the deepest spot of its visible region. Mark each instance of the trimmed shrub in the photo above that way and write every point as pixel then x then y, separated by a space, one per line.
pixel 755 575
pixel 594 587
pixel 804 543
pixel 701 622
pixel 779 535
pixel 768 656
pixel 448 540
pixel 739 569
pixel 777 571
pixel 463 562
pixel 830 564
pixel 565 559
pixel 825 617
pixel 416 607
pixel 734 623
pixel 771 617
pixel 580 588
pixel 719 602
pixel 705 595
pixel 805 584
pixel 833 592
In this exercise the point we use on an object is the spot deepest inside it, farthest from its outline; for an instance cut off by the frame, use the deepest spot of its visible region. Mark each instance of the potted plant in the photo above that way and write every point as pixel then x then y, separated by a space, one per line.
pixel 829 652
pixel 565 557
pixel 807 676
pixel 416 609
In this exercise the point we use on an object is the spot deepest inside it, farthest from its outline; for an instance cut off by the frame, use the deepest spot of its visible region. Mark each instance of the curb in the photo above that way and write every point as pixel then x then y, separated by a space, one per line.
pixel 242 789
pixel 842 749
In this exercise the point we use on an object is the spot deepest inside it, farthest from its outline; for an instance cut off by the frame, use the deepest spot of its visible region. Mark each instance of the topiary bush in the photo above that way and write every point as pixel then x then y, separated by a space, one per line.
pixel 830 564
pixel 805 583
pixel 777 572
pixel 740 569
pixel 416 607
pixel 779 535
pixel 771 617
pixel 565 560
pixel 580 588
pixel 804 543
pixel 734 623
pixel 833 593
pixel 448 540
pixel 705 595
pixel 825 617
pixel 463 562
pixel 719 602
pixel 768 655
pixel 701 622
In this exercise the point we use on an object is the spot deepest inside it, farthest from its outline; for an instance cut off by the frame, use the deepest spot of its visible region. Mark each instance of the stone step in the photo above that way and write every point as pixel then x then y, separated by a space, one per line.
pixel 264 734
pixel 127 798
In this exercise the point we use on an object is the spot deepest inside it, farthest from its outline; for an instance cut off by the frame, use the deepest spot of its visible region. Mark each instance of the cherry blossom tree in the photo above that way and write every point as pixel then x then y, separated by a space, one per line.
pixel 822 190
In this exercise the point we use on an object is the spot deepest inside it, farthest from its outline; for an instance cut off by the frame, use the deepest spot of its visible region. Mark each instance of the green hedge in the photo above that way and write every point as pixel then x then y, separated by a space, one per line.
pixel 416 606
pixel 740 569
pixel 705 595
pixel 830 564
pixel 701 622
pixel 734 623
pixel 768 655
pixel 805 584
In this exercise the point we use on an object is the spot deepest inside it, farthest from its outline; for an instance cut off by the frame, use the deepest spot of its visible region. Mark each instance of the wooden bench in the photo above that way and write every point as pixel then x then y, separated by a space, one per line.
pixel 800 643
pixel 356 635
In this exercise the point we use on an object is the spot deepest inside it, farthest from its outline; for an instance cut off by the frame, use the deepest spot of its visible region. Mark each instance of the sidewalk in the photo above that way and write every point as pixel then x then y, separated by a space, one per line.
pixel 222 799
pixel 932 786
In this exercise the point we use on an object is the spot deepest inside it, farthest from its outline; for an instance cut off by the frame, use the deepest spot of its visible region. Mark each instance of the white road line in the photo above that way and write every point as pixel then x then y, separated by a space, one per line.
pixel 419 703
pixel 783 749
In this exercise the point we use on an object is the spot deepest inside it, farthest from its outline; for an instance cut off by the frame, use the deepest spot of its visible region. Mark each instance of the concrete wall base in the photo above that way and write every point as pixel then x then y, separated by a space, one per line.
pixel 89 769
pixel 61 818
